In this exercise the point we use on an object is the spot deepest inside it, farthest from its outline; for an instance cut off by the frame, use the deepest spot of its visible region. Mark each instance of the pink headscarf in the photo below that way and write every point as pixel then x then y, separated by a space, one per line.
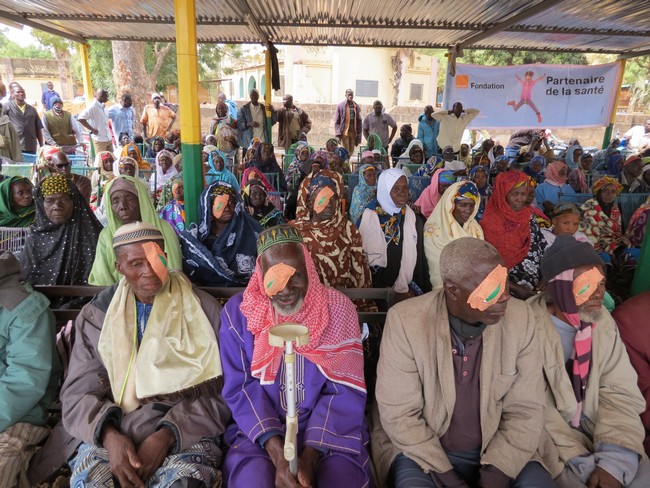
pixel 430 196
pixel 553 173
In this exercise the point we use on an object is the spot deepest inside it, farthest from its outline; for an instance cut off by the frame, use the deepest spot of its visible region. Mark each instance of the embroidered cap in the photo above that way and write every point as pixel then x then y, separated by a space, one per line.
pixel 280 234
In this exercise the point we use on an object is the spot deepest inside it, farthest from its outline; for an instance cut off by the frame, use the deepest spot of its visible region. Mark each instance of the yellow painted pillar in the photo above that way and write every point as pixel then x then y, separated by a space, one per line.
pixel 188 82
pixel 84 49
pixel 608 131
pixel 268 95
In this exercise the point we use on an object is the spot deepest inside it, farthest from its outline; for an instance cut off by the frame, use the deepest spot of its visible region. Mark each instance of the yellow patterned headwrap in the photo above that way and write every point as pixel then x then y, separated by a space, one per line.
pixel 53 185
pixel 603 182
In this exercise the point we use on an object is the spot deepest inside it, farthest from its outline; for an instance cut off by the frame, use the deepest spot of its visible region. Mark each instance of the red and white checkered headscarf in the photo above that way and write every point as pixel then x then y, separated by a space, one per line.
pixel 334 334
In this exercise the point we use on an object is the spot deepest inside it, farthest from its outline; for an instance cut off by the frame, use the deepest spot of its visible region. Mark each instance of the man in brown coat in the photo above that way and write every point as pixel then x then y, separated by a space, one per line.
pixel 292 121
pixel 459 386
pixel 143 394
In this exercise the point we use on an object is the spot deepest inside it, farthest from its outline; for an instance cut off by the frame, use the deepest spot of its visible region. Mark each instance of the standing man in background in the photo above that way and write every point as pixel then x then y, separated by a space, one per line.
pixel 60 128
pixel 94 119
pixel 48 96
pixel 452 124
pixel 251 120
pixel 347 122
pixel 157 119
pixel 293 121
pixel 428 129
pixel 25 119
pixel 122 117
pixel 378 123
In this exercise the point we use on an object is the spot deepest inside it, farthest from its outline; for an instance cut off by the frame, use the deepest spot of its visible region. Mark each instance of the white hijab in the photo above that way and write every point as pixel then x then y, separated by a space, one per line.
pixel 387 179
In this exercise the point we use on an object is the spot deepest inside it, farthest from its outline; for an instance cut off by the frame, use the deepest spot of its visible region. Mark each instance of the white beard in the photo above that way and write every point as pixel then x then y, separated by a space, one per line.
pixel 288 312
pixel 587 316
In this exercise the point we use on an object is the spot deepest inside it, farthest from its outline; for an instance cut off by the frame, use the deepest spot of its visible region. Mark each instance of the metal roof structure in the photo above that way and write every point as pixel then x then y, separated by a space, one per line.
pixel 604 26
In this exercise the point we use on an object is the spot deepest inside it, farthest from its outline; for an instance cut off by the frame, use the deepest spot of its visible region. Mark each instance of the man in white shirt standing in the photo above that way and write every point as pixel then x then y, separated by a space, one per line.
pixel 452 124
pixel 94 119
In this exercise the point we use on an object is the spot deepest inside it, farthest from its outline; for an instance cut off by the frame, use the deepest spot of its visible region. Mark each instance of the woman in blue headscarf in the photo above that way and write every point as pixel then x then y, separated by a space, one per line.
pixel 535 168
pixel 218 172
pixel 364 192
pixel 573 155
pixel 223 253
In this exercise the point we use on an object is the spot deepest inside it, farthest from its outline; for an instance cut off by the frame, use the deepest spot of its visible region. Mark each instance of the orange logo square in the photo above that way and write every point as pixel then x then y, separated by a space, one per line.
pixel 462 81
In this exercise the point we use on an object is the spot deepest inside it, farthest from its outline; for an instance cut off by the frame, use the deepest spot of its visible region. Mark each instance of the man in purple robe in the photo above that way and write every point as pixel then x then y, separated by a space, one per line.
pixel 330 389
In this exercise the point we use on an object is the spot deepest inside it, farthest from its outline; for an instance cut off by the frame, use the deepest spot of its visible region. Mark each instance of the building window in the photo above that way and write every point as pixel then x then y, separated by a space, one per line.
pixel 367 88
pixel 263 86
pixel 251 83
pixel 417 89
pixel 241 87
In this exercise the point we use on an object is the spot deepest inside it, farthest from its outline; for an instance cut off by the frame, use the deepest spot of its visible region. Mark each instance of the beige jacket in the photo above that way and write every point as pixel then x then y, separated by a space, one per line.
pixel 613 401
pixel 416 391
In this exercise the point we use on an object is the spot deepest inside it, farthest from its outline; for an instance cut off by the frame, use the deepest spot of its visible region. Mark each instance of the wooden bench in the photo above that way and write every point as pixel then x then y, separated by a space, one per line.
pixel 384 295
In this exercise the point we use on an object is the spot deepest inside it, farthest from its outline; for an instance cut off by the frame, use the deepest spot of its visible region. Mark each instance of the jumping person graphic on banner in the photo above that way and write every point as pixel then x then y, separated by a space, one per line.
pixel 527 85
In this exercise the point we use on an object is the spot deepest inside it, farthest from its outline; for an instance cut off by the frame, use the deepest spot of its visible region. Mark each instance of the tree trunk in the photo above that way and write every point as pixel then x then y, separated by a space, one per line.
pixel 130 75
pixel 397 63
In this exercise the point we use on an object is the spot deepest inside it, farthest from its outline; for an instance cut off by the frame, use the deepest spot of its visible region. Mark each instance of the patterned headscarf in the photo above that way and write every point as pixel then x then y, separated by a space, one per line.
pixel 467 191
pixel 54 185
pixel 229 258
pixel 603 182
pixel 362 195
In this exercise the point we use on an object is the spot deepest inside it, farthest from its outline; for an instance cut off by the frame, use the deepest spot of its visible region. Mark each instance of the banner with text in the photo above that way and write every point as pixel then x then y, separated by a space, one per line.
pixel 535 95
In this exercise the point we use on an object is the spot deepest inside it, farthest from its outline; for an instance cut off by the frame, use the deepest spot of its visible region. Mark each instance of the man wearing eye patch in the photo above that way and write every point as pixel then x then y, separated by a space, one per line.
pixel 594 433
pixel 459 390
pixel 330 388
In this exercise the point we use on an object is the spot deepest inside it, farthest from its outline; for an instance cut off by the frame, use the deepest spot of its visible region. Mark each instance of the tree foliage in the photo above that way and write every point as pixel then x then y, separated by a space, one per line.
pixel 58 44
pixel 11 49
pixel 512 58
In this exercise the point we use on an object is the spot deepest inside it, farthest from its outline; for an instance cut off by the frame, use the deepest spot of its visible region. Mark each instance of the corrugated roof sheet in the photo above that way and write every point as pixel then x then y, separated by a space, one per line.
pixel 615 26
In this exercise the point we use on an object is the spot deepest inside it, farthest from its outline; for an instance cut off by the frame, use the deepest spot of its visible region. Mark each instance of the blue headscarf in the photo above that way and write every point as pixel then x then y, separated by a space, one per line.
pixel 612 168
pixel 229 259
pixel 224 175
pixel 536 175
pixel 568 159
pixel 485 192
pixel 362 195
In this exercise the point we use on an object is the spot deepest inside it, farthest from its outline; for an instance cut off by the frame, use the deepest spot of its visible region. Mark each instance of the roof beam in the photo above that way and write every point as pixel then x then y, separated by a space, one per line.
pixel 501 26
pixel 423 25
pixel 253 23
pixel 634 54
pixel 45 28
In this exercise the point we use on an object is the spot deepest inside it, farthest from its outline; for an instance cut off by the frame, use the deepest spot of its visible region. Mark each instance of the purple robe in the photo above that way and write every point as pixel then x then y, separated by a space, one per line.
pixel 330 415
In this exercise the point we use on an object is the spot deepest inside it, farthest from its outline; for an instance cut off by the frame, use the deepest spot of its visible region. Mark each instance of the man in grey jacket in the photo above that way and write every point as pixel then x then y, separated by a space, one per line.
pixel 251 121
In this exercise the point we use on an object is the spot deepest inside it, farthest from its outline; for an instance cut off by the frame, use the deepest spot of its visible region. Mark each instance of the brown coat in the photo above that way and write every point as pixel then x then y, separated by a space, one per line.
pixel 284 121
pixel 416 390
pixel 87 401
pixel 612 403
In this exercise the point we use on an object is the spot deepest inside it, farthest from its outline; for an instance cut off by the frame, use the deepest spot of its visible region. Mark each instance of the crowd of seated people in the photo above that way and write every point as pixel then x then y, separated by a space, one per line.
pixel 500 363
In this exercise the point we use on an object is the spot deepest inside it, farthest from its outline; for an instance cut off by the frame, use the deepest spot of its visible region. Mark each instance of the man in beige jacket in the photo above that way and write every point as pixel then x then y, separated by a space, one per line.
pixel 593 402
pixel 459 388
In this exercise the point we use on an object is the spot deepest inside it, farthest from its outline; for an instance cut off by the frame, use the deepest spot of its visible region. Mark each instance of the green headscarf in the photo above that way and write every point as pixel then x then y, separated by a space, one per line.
pixel 8 216
pixel 104 272
pixel 377 144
